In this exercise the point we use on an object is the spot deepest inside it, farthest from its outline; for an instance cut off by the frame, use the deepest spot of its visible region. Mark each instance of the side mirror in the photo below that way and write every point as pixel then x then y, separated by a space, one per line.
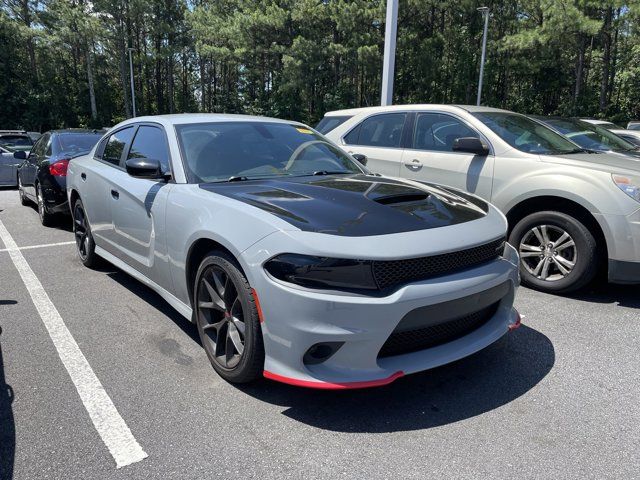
pixel 20 155
pixel 470 145
pixel 358 157
pixel 144 168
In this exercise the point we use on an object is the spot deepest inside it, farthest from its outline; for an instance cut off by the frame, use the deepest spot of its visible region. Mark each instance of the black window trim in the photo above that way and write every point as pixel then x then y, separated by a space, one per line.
pixel 412 133
pixel 103 144
pixel 127 149
pixel 402 136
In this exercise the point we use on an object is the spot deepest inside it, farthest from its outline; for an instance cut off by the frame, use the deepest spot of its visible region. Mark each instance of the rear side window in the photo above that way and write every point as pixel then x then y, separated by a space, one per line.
pixel 330 123
pixel 115 145
pixel 437 132
pixel 150 143
pixel 378 131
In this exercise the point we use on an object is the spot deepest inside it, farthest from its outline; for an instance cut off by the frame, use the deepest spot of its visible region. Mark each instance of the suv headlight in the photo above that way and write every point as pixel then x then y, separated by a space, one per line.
pixel 322 272
pixel 629 184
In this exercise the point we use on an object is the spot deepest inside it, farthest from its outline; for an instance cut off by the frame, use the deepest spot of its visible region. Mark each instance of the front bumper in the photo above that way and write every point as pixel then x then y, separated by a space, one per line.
pixel 622 234
pixel 296 319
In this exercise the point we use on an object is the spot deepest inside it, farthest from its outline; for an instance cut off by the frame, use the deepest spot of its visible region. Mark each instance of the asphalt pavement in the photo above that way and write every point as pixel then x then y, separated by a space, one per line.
pixel 557 398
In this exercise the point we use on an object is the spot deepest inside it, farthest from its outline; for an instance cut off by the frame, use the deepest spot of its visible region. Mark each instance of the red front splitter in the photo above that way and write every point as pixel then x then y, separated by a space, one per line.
pixel 333 386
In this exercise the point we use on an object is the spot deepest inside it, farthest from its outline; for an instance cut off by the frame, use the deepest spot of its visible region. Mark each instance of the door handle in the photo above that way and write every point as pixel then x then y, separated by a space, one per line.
pixel 115 194
pixel 83 176
pixel 415 164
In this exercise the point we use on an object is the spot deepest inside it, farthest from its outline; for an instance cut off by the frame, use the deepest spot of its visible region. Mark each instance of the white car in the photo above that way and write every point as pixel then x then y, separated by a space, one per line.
pixel 629 134
pixel 570 211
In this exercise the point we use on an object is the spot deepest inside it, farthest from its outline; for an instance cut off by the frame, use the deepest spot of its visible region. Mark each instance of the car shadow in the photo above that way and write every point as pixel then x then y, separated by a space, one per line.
pixel 464 389
pixel 602 292
pixel 153 299
pixel 7 425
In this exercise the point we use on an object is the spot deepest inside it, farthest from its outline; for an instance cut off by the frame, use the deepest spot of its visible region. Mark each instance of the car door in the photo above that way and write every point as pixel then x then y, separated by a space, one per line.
pixel 98 185
pixel 431 157
pixel 30 167
pixel 380 138
pixel 138 208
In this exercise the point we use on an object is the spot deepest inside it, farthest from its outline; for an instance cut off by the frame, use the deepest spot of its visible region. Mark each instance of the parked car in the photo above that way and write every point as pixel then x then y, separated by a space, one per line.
pixel 8 168
pixel 294 261
pixel 568 210
pixel 16 140
pixel 633 125
pixel 630 136
pixel 590 136
pixel 42 174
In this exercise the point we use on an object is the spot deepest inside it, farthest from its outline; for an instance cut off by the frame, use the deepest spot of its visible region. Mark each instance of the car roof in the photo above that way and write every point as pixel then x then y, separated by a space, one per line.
pixel 417 106
pixel 186 118
pixel 76 130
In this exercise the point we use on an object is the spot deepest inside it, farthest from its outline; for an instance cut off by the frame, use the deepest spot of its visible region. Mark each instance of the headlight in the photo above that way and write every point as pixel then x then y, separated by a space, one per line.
pixel 629 184
pixel 322 272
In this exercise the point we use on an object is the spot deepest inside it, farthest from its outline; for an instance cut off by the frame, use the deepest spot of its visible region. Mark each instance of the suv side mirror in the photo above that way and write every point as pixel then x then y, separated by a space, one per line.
pixel 470 145
pixel 20 155
pixel 358 157
pixel 144 168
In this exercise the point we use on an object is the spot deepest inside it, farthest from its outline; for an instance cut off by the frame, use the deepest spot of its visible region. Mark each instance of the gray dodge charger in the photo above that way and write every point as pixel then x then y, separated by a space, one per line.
pixel 295 262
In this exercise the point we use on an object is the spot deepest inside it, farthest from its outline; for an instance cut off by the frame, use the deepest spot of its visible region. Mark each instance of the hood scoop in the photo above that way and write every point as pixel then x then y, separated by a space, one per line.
pixel 401 198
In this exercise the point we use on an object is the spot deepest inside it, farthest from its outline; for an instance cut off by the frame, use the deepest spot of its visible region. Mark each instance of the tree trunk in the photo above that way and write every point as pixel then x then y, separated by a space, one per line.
pixel 92 93
pixel 606 60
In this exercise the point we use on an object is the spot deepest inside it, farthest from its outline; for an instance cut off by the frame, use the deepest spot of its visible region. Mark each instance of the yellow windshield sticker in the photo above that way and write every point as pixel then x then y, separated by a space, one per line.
pixel 304 130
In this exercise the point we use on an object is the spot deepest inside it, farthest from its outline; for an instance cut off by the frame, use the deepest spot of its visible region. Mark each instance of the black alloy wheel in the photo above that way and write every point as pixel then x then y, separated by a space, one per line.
pixel 85 245
pixel 227 319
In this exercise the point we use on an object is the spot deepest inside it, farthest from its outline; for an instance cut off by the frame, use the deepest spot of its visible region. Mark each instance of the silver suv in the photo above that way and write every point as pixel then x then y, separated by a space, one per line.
pixel 569 211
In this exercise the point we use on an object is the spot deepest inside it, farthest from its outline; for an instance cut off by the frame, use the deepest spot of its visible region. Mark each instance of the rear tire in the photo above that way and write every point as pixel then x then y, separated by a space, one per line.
pixel 227 319
pixel 47 219
pixel 558 253
pixel 85 246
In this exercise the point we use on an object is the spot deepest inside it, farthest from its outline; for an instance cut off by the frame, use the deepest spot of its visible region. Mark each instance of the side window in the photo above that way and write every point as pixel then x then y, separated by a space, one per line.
pixel 115 145
pixel 50 146
pixel 41 145
pixel 437 132
pixel 150 143
pixel 378 131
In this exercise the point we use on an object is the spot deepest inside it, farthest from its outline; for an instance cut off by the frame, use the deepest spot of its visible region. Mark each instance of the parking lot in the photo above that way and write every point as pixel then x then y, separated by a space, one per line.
pixel 556 398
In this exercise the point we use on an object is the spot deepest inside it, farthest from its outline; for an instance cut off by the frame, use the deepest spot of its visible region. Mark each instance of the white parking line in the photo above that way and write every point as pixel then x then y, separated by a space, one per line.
pixel 110 426
pixel 38 246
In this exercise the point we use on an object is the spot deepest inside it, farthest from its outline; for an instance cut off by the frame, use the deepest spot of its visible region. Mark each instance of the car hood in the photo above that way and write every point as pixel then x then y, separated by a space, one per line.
pixel 606 162
pixel 355 205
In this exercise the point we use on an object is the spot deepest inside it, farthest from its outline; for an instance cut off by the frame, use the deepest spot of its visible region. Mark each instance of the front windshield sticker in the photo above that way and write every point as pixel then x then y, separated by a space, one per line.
pixel 304 130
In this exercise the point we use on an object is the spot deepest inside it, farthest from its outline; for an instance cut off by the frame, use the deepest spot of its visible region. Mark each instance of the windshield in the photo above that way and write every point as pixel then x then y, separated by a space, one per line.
pixel 588 135
pixel 72 143
pixel 16 142
pixel 525 134
pixel 218 152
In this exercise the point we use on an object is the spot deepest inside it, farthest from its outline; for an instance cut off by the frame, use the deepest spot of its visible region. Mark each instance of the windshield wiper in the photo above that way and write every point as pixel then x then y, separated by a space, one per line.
pixel 331 172
pixel 237 178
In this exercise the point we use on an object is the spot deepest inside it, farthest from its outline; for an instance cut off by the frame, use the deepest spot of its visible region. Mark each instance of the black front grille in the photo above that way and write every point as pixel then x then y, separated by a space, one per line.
pixel 422 338
pixel 392 273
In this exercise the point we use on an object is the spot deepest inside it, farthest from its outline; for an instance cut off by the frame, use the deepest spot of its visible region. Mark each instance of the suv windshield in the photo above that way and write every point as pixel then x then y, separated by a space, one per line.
pixel 588 135
pixel 525 134
pixel 16 142
pixel 230 151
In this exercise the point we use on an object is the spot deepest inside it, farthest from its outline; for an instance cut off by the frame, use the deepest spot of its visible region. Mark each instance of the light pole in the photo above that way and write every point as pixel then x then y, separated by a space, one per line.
pixel 485 13
pixel 133 92
pixel 390 30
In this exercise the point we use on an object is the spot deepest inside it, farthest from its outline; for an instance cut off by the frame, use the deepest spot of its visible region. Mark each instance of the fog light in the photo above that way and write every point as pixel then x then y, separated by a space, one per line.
pixel 320 352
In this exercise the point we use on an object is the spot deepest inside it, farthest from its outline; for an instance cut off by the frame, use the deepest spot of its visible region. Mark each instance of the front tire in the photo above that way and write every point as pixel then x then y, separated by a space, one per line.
pixel 558 253
pixel 227 319
pixel 23 198
pixel 85 246
pixel 46 219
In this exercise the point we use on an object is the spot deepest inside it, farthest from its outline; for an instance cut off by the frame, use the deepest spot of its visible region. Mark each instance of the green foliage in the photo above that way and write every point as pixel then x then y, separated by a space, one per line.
pixel 65 62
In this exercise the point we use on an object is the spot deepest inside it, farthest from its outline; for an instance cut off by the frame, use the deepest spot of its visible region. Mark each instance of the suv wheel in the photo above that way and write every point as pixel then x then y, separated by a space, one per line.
pixel 557 252
pixel 227 319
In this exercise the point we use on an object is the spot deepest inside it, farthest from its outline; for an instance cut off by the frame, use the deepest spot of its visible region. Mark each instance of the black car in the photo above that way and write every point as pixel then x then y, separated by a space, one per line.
pixel 42 175
pixel 590 136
